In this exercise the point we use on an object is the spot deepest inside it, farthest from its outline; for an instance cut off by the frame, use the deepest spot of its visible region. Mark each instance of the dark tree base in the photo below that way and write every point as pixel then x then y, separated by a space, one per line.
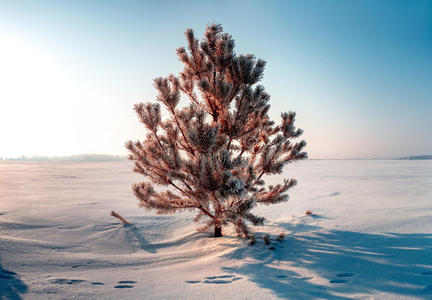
pixel 218 232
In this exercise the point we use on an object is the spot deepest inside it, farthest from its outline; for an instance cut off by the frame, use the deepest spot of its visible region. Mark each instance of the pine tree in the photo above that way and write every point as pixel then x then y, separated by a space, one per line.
pixel 212 154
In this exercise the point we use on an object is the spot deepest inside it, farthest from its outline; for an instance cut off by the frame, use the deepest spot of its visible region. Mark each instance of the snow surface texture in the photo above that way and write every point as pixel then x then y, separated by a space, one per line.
pixel 370 237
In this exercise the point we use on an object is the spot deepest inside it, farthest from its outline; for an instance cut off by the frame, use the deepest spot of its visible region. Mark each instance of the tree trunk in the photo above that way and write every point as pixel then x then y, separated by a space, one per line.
pixel 218 231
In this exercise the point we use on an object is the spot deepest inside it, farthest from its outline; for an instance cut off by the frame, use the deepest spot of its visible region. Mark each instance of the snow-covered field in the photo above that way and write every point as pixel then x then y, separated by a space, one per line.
pixel 370 237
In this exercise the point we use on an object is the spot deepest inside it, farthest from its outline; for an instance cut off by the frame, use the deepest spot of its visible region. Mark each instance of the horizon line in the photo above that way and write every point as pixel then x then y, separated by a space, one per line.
pixel 94 157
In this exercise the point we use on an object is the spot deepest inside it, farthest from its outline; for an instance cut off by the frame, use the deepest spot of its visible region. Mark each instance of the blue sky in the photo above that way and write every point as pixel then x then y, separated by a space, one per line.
pixel 358 73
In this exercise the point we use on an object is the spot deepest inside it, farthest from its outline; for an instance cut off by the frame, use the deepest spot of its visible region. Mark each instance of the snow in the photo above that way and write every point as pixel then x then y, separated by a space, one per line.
pixel 370 237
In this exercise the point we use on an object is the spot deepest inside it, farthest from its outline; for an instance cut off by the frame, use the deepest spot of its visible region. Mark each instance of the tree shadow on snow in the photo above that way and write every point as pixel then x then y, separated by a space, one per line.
pixel 136 234
pixel 335 264
pixel 10 285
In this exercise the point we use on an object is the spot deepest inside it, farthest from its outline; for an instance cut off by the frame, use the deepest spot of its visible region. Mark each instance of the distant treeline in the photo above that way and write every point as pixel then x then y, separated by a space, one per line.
pixel 415 157
pixel 71 158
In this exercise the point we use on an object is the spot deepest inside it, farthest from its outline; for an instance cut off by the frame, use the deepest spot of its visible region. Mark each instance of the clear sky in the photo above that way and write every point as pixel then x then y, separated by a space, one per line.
pixel 358 73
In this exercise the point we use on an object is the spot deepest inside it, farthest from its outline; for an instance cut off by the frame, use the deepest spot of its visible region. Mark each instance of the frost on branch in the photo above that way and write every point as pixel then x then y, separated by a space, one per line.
pixel 212 154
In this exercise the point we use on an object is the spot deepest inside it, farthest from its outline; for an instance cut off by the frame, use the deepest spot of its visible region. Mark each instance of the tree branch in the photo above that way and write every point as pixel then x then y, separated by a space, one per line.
pixel 181 130
pixel 206 212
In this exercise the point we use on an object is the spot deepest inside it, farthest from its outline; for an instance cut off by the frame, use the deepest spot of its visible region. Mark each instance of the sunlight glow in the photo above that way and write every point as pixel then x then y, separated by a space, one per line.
pixel 32 85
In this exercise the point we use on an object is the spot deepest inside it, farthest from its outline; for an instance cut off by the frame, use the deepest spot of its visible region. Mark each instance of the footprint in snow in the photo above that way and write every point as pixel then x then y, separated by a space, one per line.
pixel 66 281
pixel 338 281
pixel 192 281
pixel 5 276
pixel 340 276
pixel 221 279
pixel 295 277
pixel 9 272
pixel 125 284
pixel 96 283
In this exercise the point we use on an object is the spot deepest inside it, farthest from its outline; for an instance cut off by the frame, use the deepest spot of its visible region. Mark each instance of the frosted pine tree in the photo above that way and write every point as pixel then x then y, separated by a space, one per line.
pixel 211 154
